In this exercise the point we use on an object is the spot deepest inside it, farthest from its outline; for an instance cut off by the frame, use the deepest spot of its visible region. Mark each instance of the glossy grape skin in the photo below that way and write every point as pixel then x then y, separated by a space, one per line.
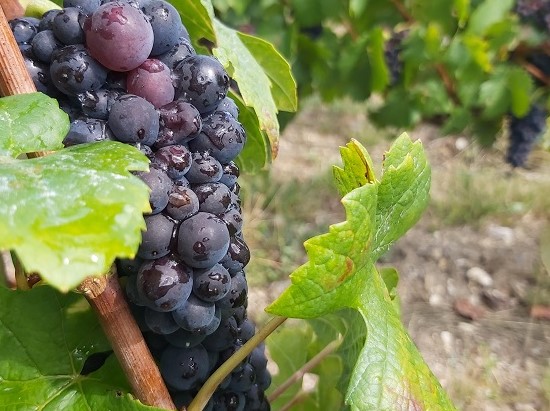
pixel 174 159
pixel 166 23
pixel 177 53
pixel 87 130
pixel 211 284
pixel 194 315
pixel 202 81
pixel 236 297
pixel 224 337
pixel 182 203
pixel 203 240
pixel 204 168
pixel 164 284
pixel 160 185
pixel 160 322
pixel 23 30
pixel 184 368
pixel 134 120
pixel 237 257
pixel 155 242
pixel 98 103
pixel 213 198
pixel 73 70
pixel 230 174
pixel 152 81
pixel 44 44
pixel 119 36
pixel 180 122
pixel 221 135
pixel 67 26
pixel 46 23
pixel 86 6
pixel 228 104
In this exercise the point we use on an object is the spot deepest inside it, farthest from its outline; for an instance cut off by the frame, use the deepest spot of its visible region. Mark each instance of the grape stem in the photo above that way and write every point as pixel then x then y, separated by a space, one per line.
pixel 103 293
pixel 308 366
pixel 206 391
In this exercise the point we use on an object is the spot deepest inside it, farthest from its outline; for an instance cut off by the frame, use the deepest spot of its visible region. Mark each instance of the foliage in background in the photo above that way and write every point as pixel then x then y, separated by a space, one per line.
pixel 465 65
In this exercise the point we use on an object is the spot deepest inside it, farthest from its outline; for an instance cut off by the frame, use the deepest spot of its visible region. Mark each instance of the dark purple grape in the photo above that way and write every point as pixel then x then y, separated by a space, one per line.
pixel 160 322
pixel 175 160
pixel 40 74
pixel 524 132
pixel 255 398
pixel 166 23
pixel 233 218
pixel 184 368
pixel 87 130
pixel 202 81
pixel 98 103
pixel 257 358
pixel 194 315
pixel 152 81
pixel 113 25
pixel 184 339
pixel 177 53
pixel 236 297
pixel 155 342
pixel 44 44
pixel 214 324
pixel 211 284
pixel 128 266
pixel 229 401
pixel 134 120
pixel 131 291
pixel 230 174
pixel 164 284
pixel 392 56
pixel 182 203
pixel 227 353
pixel 221 135
pixel 155 242
pixel 224 337
pixel 237 257
pixel 23 30
pixel 180 122
pixel 247 330
pixel 116 81
pixel 67 26
pixel 203 240
pixel 160 185
pixel 242 380
pixel 46 23
pixel 214 198
pixel 227 104
pixel 204 168
pixel 74 70
pixel 86 6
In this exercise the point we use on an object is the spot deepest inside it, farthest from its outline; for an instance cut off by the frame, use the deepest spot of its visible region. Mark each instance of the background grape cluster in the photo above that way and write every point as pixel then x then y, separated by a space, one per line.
pixel 126 71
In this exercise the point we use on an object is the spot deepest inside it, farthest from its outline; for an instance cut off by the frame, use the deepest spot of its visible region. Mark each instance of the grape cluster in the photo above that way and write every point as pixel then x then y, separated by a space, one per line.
pixel 524 132
pixel 126 70
pixel 536 12
pixel 392 55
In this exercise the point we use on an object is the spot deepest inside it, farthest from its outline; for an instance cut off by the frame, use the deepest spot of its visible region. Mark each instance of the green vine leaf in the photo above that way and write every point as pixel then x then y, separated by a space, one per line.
pixel 31 122
pixel 40 364
pixel 70 214
pixel 389 374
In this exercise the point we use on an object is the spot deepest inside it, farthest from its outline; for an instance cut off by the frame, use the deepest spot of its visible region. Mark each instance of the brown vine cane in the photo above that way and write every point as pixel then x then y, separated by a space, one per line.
pixel 103 292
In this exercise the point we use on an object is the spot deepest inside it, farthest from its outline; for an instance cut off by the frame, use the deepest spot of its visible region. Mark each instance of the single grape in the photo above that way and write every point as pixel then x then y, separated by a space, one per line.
pixel 40 74
pixel 230 174
pixel 194 315
pixel 202 81
pixel 86 6
pixel 128 266
pixel 247 330
pixel 184 368
pixel 229 401
pixel 165 283
pixel 87 130
pixel 166 23
pixel 180 122
pixel 233 218
pixel 182 203
pixel 23 30
pixel 73 70
pixel 134 120
pixel 228 104
pixel 175 160
pixel 98 103
pixel 236 297
pixel 211 284
pixel 160 322
pixel 242 380
pixel 177 53
pixel 155 242
pixel 213 198
pixel 224 337
pixel 44 44
pixel 152 81
pixel 237 257
pixel 160 185
pixel 46 23
pixel 203 240
pixel 67 26
pixel 114 24
pixel 204 168
pixel 221 135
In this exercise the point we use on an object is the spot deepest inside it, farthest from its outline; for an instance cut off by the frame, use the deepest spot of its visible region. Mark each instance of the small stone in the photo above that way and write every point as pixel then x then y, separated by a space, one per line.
pixel 504 234
pixel 461 143
pixel 479 276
